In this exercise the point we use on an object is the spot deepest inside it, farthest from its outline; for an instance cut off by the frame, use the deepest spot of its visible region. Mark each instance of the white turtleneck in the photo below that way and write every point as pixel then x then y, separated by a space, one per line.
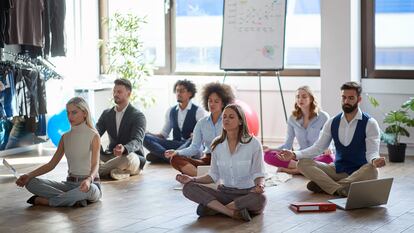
pixel 78 149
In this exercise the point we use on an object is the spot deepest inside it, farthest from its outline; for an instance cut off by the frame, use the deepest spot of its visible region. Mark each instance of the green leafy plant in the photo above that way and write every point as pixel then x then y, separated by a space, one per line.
pixel 397 120
pixel 126 54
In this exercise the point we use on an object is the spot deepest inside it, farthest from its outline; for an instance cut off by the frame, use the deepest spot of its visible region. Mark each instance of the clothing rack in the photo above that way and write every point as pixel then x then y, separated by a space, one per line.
pixel 45 65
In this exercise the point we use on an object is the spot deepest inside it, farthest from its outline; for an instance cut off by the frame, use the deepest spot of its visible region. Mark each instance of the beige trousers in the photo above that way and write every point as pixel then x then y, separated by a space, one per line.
pixel 128 162
pixel 325 176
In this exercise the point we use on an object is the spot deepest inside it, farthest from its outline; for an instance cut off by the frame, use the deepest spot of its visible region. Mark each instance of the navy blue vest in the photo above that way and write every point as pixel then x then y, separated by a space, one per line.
pixel 350 158
pixel 188 126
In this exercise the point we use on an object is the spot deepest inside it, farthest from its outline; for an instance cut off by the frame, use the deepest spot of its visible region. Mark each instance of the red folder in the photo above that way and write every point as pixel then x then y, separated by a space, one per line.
pixel 313 206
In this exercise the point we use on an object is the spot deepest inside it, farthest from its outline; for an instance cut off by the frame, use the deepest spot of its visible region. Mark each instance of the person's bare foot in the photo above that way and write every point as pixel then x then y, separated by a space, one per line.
pixel 292 171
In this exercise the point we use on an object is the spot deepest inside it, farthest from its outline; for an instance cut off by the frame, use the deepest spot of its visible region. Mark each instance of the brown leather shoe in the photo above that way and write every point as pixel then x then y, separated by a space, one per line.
pixel 313 187
pixel 242 214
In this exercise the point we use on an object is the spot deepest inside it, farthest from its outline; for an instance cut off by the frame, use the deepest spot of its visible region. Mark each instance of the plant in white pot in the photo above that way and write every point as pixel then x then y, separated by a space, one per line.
pixel 398 121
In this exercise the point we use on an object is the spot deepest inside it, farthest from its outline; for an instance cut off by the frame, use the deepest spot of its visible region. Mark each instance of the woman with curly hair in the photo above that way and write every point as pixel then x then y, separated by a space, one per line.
pixel 215 97
pixel 305 124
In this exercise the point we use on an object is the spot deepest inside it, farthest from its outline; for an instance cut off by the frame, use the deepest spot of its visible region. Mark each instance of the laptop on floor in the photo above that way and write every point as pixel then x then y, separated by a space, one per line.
pixel 365 194
pixel 11 168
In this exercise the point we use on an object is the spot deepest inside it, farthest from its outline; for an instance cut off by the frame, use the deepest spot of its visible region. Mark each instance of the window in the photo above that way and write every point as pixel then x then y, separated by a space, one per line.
pixel 153 32
pixel 388 38
pixel 185 37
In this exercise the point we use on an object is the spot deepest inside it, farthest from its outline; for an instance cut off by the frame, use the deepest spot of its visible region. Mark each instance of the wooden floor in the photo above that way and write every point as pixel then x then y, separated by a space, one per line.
pixel 149 203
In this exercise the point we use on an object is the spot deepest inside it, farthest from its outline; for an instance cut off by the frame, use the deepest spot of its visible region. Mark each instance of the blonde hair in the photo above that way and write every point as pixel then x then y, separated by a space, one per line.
pixel 243 136
pixel 313 108
pixel 80 103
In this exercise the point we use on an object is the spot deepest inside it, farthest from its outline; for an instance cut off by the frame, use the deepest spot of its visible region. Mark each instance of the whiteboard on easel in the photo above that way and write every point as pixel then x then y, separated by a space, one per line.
pixel 253 35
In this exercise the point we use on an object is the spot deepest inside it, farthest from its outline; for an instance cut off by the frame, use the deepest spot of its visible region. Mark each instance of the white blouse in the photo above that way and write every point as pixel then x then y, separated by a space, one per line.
pixel 240 169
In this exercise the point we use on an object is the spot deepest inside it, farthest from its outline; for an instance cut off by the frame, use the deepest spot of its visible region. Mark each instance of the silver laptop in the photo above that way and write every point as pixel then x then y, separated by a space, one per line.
pixel 11 168
pixel 365 194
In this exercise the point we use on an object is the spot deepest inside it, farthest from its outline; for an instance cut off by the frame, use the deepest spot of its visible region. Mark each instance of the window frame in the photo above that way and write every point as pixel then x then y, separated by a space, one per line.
pixel 170 50
pixel 368 47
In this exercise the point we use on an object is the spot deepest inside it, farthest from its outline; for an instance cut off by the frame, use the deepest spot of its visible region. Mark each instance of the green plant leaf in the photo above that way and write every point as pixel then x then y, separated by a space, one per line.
pixel 127 55
pixel 374 102
pixel 396 117
pixel 397 130
pixel 409 104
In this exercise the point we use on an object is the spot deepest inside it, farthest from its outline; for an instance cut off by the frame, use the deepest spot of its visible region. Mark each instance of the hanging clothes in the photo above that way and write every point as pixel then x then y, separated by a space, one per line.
pixel 23 97
pixel 25 26
pixel 54 27
pixel 4 20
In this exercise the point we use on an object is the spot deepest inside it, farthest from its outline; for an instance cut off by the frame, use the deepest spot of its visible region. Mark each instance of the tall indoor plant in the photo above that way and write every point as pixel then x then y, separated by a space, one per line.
pixel 126 54
pixel 397 122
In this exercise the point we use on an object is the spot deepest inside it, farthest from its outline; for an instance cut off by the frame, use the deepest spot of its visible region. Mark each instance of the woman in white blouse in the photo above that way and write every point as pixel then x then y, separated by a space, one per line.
pixel 237 162
pixel 81 147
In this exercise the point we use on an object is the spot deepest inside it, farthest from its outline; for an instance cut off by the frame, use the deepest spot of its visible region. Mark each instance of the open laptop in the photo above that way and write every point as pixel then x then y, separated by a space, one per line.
pixel 11 168
pixel 365 194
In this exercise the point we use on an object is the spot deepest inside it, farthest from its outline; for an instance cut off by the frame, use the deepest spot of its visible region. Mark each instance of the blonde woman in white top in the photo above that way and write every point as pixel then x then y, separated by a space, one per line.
pixel 236 162
pixel 81 147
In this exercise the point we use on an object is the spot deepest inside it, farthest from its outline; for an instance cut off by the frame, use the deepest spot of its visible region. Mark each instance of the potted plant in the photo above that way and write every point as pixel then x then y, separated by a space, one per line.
pixel 126 54
pixel 398 121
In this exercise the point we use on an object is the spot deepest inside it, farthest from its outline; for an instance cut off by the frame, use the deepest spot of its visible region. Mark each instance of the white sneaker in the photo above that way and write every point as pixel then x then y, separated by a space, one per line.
pixel 118 174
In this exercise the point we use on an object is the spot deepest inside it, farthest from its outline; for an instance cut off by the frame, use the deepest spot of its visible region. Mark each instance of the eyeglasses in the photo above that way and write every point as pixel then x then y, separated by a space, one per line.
pixel 180 90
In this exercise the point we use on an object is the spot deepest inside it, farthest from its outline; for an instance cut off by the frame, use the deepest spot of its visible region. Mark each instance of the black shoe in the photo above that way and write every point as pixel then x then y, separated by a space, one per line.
pixel 203 211
pixel 154 158
pixel 142 162
pixel 31 200
pixel 313 187
pixel 82 203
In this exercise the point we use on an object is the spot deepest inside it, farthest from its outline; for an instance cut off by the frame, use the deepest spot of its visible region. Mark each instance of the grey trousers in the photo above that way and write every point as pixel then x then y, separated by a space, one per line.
pixel 63 193
pixel 243 198
pixel 128 162
pixel 325 176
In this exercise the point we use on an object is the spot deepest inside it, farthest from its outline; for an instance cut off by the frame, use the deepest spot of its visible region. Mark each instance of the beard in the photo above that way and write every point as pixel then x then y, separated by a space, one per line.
pixel 347 108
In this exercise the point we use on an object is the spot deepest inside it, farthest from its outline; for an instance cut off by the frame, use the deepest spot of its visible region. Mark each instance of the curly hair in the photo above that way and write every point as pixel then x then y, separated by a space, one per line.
pixel 313 108
pixel 187 84
pixel 224 91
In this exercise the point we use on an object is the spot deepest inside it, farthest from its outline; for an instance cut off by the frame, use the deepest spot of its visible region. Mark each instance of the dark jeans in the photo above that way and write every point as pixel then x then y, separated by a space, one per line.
pixel 157 146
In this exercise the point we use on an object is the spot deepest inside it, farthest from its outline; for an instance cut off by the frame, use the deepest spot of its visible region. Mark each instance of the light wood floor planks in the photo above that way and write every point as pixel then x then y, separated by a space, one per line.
pixel 148 203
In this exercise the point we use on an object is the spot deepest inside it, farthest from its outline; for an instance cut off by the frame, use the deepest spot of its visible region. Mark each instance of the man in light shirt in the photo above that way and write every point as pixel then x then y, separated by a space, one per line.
pixel 181 119
pixel 125 126
pixel 357 139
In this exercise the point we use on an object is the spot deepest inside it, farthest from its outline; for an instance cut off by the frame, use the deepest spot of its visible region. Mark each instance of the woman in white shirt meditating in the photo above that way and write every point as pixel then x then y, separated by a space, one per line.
pixel 237 161
pixel 81 147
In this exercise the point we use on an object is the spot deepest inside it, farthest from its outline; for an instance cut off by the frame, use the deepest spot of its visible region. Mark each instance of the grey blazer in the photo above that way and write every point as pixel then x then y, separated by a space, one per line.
pixel 131 130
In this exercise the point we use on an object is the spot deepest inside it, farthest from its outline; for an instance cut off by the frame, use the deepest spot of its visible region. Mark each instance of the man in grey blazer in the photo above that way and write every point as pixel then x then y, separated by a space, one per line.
pixel 125 126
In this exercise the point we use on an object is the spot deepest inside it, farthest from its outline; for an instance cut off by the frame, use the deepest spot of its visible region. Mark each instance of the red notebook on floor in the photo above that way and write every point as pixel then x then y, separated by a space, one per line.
pixel 313 206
